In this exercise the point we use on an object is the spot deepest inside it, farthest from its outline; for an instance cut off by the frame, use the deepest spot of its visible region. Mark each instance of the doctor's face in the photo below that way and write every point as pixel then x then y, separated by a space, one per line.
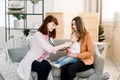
pixel 51 26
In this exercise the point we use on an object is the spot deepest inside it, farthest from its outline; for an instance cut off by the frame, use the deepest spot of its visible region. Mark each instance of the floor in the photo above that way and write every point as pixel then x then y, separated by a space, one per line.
pixel 112 69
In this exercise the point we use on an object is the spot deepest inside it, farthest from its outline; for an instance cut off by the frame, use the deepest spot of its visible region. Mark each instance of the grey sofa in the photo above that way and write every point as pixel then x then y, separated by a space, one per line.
pixel 91 74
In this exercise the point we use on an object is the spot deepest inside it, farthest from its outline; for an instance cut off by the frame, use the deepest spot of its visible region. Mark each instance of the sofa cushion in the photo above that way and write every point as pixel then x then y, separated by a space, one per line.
pixel 17 54
pixel 85 74
pixel 56 72
pixel 60 41
pixel 55 57
pixel 34 75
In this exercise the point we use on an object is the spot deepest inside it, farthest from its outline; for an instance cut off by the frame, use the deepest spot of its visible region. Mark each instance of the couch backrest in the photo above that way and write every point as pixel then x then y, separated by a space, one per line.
pixel 60 41
pixel 17 48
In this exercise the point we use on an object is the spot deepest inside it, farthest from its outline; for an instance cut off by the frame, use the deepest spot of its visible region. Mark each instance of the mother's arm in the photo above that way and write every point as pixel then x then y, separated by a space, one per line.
pixel 89 47
pixel 88 52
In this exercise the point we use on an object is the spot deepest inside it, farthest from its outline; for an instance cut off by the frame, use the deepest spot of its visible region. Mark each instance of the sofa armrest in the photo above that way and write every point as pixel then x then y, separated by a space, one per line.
pixel 98 64
pixel 99 61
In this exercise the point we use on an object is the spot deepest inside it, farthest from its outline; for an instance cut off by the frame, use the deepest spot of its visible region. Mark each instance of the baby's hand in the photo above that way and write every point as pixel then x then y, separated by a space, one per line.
pixel 69 50
pixel 65 51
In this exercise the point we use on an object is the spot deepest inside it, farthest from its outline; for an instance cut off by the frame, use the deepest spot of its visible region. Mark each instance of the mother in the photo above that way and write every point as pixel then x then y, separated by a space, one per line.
pixel 86 59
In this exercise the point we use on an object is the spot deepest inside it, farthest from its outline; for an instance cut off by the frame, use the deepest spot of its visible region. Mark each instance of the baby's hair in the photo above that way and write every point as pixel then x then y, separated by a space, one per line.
pixel 77 34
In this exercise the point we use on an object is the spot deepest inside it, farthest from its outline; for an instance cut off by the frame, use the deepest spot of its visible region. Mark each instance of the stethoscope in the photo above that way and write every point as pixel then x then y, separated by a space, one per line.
pixel 51 43
pixel 49 40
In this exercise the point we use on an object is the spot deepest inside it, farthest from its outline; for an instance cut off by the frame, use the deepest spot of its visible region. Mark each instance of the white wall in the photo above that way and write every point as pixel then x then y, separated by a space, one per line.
pixel 68 6
pixel 113 39
pixel 2 23
pixel 2 13
pixel 48 6
pixel 2 37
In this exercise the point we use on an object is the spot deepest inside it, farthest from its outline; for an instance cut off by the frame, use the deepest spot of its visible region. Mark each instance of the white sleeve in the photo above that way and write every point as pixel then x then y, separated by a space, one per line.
pixel 75 48
pixel 43 44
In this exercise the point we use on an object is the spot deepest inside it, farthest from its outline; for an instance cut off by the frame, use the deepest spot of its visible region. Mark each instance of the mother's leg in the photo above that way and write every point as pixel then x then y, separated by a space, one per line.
pixel 64 72
pixel 77 67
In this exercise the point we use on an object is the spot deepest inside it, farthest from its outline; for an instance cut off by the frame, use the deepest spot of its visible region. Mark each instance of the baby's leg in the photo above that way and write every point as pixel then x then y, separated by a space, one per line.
pixel 60 60
pixel 68 60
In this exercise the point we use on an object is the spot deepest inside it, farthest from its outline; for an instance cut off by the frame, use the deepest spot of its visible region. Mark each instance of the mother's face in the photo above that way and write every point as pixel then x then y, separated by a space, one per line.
pixel 74 26
pixel 51 26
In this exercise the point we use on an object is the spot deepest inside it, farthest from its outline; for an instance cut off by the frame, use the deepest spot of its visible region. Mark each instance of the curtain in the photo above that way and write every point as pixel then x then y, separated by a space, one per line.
pixel 92 5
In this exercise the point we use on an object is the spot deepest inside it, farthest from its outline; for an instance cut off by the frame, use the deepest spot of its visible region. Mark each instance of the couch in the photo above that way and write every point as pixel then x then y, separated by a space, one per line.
pixel 91 74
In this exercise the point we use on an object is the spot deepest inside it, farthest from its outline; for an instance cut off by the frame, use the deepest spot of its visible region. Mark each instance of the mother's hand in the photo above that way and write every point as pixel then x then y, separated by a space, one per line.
pixel 72 55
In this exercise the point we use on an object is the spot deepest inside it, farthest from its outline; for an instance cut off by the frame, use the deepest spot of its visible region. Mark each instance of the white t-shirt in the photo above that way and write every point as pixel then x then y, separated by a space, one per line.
pixel 75 48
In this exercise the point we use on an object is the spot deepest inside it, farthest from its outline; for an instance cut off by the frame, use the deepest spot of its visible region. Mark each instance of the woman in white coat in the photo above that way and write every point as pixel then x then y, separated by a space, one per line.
pixel 35 59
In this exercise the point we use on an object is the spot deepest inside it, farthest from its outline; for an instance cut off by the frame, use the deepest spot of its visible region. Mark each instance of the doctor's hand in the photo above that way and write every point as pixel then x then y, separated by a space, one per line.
pixel 68 44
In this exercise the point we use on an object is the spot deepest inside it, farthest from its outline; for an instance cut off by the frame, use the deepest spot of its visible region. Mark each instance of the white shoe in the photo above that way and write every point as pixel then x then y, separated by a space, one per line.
pixel 55 65
pixel 77 78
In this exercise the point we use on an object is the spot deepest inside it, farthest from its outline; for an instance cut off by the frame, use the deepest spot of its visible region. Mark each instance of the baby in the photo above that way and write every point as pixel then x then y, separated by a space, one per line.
pixel 74 48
